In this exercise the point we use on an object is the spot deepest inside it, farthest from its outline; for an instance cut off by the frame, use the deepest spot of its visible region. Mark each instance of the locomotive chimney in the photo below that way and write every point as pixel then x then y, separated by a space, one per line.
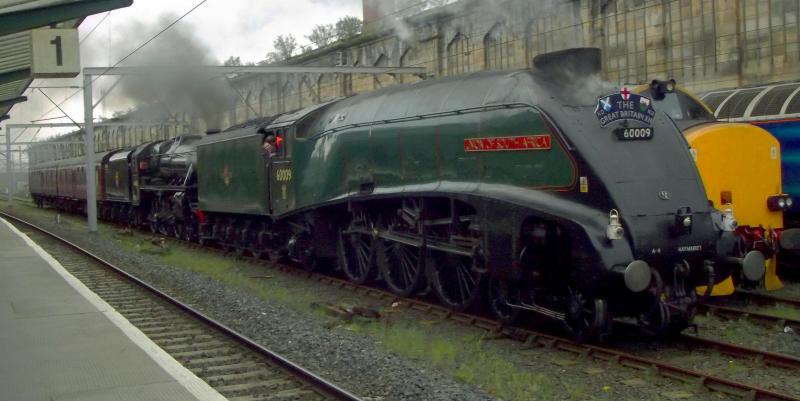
pixel 569 65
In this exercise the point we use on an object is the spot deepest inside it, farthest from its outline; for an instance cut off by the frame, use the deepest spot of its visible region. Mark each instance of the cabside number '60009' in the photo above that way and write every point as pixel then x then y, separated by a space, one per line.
pixel 283 174
pixel 634 134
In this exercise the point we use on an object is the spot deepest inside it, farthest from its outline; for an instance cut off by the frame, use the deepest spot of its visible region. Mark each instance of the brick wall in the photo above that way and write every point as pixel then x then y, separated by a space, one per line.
pixel 703 44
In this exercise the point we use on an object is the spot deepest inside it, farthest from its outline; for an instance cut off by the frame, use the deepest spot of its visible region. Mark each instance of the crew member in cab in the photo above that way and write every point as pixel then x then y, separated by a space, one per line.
pixel 270 146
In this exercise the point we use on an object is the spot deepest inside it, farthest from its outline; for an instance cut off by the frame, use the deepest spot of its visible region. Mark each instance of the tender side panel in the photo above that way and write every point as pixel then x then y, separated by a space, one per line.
pixel 232 176
pixel 117 178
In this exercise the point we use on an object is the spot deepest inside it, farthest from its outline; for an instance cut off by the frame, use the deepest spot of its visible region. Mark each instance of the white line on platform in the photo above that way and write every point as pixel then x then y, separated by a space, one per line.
pixel 196 386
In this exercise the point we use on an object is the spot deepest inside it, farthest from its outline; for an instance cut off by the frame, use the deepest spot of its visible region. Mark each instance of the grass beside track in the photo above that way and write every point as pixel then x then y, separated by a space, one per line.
pixel 470 358
pixel 783 311
pixel 467 359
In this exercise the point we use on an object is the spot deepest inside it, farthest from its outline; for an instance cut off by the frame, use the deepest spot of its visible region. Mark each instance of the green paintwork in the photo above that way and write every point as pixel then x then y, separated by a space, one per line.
pixel 281 186
pixel 232 177
pixel 420 154
pixel 397 141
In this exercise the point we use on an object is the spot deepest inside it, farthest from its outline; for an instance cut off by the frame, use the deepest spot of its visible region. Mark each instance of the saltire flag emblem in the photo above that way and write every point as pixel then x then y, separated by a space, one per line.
pixel 624 105
pixel 606 103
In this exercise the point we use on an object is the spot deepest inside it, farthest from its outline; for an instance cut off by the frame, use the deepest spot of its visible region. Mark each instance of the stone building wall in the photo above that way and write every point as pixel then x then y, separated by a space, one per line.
pixel 703 44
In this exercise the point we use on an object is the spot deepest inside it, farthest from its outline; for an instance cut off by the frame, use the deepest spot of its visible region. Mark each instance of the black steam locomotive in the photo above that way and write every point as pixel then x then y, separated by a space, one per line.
pixel 557 193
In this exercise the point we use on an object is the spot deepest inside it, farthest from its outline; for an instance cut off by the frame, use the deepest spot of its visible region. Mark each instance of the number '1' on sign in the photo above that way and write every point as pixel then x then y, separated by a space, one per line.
pixel 55 53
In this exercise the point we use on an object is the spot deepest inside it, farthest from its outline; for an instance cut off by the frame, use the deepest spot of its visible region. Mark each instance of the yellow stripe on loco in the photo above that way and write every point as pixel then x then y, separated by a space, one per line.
pixel 771 280
pixel 721 289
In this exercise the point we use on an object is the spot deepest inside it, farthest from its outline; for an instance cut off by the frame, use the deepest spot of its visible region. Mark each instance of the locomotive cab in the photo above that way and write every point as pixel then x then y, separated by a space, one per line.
pixel 279 167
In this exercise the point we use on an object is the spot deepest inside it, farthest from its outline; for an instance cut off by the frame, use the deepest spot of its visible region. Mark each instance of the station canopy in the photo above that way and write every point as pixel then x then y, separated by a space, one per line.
pixel 17 18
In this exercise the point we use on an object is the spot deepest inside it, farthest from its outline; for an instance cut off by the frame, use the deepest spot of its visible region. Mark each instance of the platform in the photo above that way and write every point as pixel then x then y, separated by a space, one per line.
pixel 60 342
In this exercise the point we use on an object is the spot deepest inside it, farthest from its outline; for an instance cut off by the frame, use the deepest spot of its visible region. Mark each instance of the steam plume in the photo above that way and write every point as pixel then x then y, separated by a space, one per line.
pixel 176 83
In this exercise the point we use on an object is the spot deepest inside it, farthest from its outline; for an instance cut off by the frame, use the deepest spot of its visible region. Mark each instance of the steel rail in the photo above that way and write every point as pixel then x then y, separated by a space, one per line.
pixel 766 357
pixel 722 310
pixel 301 373
pixel 763 357
pixel 762 298
pixel 534 338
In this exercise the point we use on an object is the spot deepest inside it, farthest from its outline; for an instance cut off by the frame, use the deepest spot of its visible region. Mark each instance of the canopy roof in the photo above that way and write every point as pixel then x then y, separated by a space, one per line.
pixel 17 18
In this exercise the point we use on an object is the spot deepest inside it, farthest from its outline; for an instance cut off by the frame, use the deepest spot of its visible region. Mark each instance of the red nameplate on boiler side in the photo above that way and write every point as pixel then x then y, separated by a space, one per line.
pixel 527 142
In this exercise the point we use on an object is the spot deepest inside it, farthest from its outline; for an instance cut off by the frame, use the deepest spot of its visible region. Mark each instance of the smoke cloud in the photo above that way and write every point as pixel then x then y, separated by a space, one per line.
pixel 394 14
pixel 173 83
pixel 566 12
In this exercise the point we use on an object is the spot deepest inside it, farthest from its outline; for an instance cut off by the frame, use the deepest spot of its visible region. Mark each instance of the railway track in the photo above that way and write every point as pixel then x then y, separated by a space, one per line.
pixel 760 298
pixel 235 366
pixel 740 313
pixel 538 339
pixel 750 298
pixel 533 338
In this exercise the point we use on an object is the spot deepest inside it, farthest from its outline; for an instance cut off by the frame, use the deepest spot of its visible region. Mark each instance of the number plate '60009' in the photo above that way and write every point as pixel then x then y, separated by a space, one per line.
pixel 634 134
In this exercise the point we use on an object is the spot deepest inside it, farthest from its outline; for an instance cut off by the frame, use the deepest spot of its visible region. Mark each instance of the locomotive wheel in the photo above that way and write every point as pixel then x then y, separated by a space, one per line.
pixel 586 318
pixel 655 321
pixel 259 247
pixel 177 230
pixel 260 254
pixel 203 241
pixel 456 283
pixel 501 294
pixel 356 256
pixel 401 267
pixel 190 230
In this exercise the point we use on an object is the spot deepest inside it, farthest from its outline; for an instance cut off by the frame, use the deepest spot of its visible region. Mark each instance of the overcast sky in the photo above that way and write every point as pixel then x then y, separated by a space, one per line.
pixel 244 28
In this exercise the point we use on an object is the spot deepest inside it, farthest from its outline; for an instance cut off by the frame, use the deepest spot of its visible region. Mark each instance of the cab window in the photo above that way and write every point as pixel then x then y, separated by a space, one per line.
pixel 684 110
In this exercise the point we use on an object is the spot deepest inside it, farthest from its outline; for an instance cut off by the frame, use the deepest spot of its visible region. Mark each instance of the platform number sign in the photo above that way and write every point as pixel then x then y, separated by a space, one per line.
pixel 59 55
pixel 55 53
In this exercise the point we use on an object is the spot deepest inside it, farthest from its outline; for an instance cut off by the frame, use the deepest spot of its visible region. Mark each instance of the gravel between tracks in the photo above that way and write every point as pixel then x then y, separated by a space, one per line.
pixel 785 340
pixel 354 362
pixel 358 362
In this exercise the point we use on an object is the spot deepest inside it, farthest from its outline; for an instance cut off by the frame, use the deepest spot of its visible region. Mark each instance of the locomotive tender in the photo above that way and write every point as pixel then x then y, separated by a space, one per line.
pixel 497 180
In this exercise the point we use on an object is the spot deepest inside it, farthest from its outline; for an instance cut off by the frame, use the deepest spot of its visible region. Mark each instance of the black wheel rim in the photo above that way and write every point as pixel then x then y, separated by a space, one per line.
pixel 188 232
pixel 401 267
pixel 455 282
pixel 586 317
pixel 500 294
pixel 655 321
pixel 356 256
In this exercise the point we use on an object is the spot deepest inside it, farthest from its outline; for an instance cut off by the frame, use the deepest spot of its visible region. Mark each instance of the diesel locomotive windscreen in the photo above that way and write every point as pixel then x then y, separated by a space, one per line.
pixel 684 110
